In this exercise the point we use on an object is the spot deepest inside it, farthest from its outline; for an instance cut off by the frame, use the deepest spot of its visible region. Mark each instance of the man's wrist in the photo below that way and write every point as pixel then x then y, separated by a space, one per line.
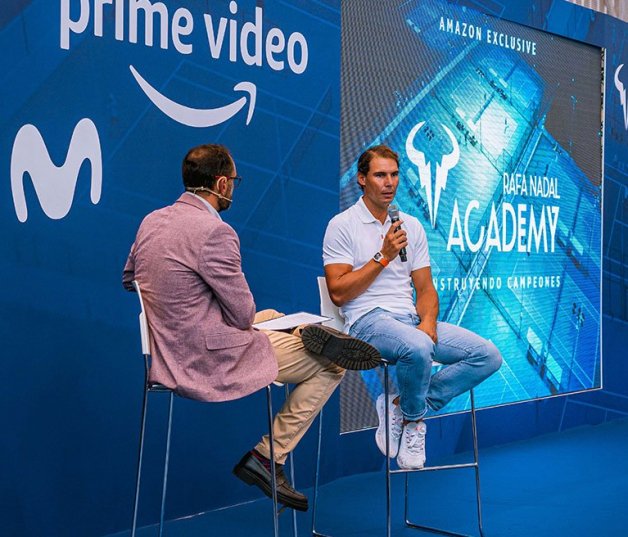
pixel 379 258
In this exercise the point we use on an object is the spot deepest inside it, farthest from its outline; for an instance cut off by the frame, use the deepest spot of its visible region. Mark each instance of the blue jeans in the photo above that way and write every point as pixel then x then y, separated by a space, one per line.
pixel 469 358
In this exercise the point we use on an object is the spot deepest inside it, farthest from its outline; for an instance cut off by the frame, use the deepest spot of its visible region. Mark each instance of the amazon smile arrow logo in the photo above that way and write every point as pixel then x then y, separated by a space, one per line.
pixel 199 117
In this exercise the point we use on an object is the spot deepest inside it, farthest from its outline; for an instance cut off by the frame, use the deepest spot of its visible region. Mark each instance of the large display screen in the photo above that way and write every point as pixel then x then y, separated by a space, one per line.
pixel 498 129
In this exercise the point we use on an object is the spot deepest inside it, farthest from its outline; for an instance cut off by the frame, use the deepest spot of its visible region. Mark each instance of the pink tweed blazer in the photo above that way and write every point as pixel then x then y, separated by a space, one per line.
pixel 198 304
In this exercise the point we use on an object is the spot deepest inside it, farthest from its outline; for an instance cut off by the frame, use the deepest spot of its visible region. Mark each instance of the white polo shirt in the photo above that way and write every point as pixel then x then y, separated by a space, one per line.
pixel 353 237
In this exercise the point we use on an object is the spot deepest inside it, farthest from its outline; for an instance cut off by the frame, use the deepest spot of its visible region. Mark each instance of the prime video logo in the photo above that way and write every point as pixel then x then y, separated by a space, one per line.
pixel 251 43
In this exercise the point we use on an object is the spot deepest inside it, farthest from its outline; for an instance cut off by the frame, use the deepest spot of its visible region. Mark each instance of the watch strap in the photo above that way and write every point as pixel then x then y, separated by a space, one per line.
pixel 379 258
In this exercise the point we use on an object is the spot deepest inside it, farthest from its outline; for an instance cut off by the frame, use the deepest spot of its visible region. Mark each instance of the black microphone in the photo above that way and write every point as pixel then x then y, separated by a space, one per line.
pixel 393 212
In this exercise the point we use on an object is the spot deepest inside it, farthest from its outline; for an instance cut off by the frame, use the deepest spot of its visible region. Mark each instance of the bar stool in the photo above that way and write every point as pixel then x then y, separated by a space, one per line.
pixel 329 309
pixel 150 387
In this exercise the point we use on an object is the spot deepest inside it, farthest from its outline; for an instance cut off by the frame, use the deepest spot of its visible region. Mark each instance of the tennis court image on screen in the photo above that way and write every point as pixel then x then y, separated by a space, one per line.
pixel 498 129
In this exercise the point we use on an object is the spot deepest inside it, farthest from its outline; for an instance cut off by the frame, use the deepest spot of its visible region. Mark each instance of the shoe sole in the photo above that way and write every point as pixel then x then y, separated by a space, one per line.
pixel 407 467
pixel 251 479
pixel 345 351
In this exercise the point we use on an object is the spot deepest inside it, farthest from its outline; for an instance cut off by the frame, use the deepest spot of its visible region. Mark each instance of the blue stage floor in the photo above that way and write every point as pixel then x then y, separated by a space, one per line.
pixel 572 484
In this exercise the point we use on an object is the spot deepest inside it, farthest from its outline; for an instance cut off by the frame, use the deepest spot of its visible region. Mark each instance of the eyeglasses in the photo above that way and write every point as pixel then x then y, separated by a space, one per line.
pixel 235 178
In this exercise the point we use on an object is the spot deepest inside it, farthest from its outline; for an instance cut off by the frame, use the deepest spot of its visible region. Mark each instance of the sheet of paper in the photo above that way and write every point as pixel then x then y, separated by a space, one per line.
pixel 291 321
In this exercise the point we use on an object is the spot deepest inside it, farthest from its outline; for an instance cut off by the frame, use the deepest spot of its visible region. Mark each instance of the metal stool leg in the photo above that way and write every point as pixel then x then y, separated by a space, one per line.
pixel 166 461
pixel 316 533
pixel 273 475
pixel 295 531
pixel 475 465
pixel 139 461
pixel 387 422
pixel 476 459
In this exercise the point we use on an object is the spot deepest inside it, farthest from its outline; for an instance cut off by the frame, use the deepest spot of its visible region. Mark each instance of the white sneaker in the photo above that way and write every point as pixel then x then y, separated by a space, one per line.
pixel 395 424
pixel 412 450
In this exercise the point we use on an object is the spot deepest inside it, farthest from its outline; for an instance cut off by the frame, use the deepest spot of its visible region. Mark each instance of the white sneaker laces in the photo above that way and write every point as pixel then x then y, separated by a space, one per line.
pixel 396 423
pixel 414 440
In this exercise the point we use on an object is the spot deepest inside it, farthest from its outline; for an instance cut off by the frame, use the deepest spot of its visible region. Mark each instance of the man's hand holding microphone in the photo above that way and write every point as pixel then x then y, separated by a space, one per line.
pixel 396 239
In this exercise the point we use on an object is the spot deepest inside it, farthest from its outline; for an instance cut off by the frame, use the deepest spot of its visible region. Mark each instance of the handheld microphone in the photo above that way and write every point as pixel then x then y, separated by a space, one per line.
pixel 393 212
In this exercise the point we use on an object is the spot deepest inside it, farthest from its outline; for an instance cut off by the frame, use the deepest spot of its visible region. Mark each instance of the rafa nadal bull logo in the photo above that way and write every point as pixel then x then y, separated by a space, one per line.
pixel 446 163
pixel 622 95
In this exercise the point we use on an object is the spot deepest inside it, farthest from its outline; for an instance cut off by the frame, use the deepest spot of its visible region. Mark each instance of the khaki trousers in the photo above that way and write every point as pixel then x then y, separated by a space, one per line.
pixel 315 379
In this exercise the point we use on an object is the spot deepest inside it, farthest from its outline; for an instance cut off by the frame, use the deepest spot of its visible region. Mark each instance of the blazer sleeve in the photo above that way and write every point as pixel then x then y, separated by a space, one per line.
pixel 220 265
pixel 128 275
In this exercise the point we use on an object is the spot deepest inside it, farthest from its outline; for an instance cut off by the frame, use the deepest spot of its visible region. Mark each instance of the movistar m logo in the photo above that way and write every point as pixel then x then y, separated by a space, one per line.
pixel 54 185
pixel 447 162
pixel 622 95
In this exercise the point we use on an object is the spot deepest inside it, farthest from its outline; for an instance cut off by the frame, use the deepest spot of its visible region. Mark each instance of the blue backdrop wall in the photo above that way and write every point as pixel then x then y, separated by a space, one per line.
pixel 88 146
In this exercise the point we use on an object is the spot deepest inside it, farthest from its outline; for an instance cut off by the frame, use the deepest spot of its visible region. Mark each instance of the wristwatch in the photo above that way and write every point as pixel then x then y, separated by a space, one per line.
pixel 379 258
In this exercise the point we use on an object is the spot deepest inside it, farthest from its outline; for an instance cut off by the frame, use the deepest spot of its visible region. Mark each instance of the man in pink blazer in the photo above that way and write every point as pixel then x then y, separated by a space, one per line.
pixel 201 310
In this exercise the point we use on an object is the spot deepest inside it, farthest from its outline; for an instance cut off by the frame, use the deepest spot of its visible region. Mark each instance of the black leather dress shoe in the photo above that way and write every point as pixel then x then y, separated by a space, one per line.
pixel 345 351
pixel 253 472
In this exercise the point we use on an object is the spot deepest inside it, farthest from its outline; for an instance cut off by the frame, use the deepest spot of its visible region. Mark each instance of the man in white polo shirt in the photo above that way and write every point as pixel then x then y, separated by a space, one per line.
pixel 375 289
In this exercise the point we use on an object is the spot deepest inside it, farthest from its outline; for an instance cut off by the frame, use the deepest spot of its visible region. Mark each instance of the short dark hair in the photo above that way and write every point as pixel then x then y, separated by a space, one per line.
pixel 381 150
pixel 203 163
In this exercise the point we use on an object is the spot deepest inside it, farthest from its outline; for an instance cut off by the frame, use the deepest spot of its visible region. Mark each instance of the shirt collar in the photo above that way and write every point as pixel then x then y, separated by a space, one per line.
pixel 209 206
pixel 366 217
